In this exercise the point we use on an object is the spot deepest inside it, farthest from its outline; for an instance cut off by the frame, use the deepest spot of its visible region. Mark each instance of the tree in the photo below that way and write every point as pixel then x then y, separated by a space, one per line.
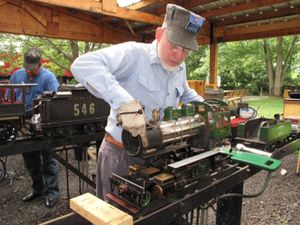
pixel 198 64
pixel 240 65
pixel 60 53
pixel 282 54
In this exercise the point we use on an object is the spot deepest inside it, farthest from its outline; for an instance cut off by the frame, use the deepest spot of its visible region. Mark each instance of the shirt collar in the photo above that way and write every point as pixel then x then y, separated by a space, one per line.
pixel 153 53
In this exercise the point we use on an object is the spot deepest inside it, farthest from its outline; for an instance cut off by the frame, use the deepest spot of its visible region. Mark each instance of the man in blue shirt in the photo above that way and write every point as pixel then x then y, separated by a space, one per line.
pixel 44 174
pixel 132 74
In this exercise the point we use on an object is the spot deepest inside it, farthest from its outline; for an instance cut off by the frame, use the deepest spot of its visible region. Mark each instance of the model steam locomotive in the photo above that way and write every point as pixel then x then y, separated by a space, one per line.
pixel 71 110
pixel 181 156
pixel 192 147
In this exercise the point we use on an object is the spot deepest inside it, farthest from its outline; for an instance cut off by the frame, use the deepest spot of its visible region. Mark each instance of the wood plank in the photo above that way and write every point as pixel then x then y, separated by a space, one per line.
pixel 262 28
pixel 187 4
pixel 269 34
pixel 15 19
pixel 194 3
pixel 98 211
pixel 239 7
pixel 96 7
pixel 2 2
pixel 141 4
pixel 109 6
pixel 33 13
pixel 257 17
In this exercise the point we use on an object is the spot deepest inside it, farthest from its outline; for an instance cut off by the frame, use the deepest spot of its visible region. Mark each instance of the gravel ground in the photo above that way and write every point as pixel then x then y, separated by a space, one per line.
pixel 278 205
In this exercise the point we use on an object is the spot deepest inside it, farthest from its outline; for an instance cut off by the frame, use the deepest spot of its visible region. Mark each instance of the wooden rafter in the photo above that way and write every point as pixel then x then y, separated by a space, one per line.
pixel 2 2
pixel 168 1
pixel 129 27
pixel 97 7
pixel 141 4
pixel 239 7
pixel 258 17
pixel 33 13
pixel 18 20
pixel 263 27
pixel 263 30
pixel 188 5
pixel 192 4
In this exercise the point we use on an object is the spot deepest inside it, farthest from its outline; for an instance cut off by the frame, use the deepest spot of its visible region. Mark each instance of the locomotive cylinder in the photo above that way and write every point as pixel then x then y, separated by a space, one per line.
pixel 164 133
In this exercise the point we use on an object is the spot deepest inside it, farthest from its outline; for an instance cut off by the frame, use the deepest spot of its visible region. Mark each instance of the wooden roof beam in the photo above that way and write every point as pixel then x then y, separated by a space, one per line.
pixel 101 8
pixel 2 2
pixel 141 4
pixel 192 4
pixel 18 19
pixel 188 5
pixel 262 31
pixel 239 7
pixel 252 36
pixel 258 17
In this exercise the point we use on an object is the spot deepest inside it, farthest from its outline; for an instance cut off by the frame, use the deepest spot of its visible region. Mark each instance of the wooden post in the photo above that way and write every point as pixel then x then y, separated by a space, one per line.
pixel 213 77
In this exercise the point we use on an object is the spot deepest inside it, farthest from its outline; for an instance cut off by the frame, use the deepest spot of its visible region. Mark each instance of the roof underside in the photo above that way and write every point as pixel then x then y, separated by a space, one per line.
pixel 104 21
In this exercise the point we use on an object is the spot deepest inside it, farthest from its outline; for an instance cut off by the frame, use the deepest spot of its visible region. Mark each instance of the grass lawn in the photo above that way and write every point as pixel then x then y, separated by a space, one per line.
pixel 267 106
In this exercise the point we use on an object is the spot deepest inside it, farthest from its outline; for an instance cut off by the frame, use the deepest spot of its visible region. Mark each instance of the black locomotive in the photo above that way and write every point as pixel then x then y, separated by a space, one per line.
pixel 71 110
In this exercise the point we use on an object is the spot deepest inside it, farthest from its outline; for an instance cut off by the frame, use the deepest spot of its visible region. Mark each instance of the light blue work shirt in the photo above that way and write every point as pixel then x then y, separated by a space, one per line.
pixel 46 81
pixel 128 71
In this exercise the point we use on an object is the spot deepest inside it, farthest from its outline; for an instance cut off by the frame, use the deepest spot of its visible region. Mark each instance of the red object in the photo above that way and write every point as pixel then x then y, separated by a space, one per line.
pixel 45 61
pixel 236 121
pixel 6 65
pixel 68 73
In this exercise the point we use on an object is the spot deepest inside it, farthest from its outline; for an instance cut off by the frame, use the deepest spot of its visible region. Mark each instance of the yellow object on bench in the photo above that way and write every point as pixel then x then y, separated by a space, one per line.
pixel 291 110
pixel 98 211
pixel 198 86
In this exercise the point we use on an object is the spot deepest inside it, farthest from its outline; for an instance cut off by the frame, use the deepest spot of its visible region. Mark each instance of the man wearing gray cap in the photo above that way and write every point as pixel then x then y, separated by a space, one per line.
pixel 44 173
pixel 132 74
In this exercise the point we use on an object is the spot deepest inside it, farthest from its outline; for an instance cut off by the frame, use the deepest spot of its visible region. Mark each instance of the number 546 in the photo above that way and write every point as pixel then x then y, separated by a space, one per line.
pixel 84 109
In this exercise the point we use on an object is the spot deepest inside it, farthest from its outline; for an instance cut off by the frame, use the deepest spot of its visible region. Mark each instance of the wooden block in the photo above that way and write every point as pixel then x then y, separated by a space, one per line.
pixel 98 211
pixel 92 152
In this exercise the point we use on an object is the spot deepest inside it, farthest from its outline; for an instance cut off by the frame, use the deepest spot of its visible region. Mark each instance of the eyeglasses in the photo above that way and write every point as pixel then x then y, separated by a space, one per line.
pixel 176 48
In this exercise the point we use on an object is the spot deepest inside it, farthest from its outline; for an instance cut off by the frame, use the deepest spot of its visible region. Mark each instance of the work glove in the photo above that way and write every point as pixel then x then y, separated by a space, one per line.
pixel 132 118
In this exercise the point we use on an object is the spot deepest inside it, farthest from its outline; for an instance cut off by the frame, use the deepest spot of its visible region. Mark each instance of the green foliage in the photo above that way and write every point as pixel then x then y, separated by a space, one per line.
pixel 58 54
pixel 197 64
pixel 242 64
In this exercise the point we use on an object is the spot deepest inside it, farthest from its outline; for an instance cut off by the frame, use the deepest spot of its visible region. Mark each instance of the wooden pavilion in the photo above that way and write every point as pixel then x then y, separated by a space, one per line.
pixel 104 21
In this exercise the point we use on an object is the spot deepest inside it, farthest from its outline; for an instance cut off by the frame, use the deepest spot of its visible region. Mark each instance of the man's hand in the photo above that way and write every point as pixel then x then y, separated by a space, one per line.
pixel 133 119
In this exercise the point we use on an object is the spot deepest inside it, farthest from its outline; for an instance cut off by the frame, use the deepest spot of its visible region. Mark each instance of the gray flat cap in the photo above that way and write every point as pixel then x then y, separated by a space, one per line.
pixel 182 26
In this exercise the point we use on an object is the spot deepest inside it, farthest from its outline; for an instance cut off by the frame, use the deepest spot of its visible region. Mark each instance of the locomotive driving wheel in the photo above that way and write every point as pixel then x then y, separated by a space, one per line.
pixel 8 132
